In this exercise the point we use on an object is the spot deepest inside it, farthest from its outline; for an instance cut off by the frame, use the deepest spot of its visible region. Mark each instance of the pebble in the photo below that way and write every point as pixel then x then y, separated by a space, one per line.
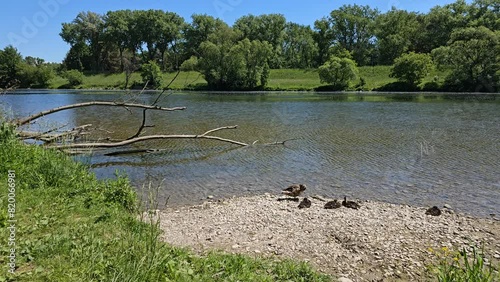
pixel 344 279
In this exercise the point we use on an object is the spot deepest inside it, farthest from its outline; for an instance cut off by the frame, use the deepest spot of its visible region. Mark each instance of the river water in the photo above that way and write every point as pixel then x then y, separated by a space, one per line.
pixel 418 149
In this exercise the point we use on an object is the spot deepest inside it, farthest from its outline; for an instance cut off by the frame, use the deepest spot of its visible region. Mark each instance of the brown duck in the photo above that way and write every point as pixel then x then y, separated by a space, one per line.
pixel 350 204
pixel 294 190
pixel 434 211
pixel 333 205
pixel 306 203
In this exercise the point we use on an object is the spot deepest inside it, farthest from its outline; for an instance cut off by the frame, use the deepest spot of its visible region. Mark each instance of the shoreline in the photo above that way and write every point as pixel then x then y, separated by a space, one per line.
pixel 379 241
pixel 309 91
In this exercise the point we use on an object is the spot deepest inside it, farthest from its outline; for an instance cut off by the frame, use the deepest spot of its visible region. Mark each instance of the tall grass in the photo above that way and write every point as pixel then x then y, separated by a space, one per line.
pixel 73 227
pixel 464 266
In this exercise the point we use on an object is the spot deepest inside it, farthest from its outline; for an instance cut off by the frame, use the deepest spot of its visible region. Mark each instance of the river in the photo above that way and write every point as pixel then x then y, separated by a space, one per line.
pixel 418 149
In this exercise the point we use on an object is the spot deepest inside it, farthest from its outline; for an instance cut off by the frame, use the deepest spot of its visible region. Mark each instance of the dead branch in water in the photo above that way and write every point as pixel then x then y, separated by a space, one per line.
pixel 31 118
pixel 152 137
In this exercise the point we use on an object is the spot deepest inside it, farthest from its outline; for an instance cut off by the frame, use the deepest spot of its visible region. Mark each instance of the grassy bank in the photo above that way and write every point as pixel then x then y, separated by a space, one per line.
pixel 375 78
pixel 72 227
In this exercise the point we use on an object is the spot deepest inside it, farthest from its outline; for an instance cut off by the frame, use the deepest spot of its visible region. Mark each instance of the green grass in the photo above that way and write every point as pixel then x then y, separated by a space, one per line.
pixel 279 79
pixel 72 227
pixel 463 266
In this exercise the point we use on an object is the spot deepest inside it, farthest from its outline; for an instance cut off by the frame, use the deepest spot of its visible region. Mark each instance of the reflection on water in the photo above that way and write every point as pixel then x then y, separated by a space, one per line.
pixel 420 149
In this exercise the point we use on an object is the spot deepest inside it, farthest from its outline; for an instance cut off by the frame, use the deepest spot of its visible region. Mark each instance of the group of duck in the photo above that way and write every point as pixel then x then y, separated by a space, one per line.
pixel 297 189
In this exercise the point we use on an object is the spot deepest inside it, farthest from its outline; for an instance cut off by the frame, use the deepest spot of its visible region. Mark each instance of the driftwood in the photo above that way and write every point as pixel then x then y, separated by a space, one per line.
pixel 152 137
pixel 56 140
pixel 31 118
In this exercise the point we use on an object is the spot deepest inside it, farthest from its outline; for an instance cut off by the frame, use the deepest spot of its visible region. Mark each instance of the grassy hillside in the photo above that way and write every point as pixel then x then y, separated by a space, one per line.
pixel 279 79
pixel 72 227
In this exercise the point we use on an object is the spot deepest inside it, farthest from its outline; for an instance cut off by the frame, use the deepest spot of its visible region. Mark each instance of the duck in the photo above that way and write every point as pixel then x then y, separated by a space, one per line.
pixel 333 205
pixel 294 190
pixel 306 203
pixel 434 211
pixel 350 204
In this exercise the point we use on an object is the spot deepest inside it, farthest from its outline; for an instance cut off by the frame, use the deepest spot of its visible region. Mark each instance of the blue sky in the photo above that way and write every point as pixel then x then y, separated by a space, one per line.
pixel 33 26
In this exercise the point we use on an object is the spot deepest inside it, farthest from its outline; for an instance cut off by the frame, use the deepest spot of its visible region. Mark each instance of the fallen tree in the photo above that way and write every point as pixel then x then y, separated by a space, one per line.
pixel 68 140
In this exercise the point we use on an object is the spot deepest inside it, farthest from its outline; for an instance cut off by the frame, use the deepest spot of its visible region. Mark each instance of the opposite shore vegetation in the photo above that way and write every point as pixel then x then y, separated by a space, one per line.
pixel 454 47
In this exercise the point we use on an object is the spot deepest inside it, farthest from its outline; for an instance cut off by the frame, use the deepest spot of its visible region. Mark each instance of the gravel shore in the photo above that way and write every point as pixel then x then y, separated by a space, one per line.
pixel 378 242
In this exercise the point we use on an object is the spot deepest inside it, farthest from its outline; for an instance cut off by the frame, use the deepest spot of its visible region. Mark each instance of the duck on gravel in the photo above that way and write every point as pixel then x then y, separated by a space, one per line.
pixel 350 204
pixel 434 211
pixel 333 205
pixel 306 203
pixel 294 190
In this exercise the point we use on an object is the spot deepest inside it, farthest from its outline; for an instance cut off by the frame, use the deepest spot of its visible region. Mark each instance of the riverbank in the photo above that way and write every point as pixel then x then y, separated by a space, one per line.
pixel 375 78
pixel 65 225
pixel 378 242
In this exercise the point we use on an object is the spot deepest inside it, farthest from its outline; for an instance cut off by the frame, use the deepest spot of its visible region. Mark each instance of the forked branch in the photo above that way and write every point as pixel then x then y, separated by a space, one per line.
pixel 152 137
pixel 29 119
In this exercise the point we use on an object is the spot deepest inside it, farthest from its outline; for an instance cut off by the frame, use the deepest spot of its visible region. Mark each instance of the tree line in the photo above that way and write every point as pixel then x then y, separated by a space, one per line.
pixel 459 36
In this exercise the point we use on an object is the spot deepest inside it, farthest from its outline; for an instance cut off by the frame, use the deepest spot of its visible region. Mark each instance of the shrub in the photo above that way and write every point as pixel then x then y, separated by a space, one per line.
pixel 338 72
pixel 151 74
pixel 74 77
pixel 411 68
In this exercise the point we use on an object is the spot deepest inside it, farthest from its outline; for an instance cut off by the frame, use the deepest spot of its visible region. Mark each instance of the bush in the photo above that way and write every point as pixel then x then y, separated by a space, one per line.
pixel 151 74
pixel 338 72
pixel 411 68
pixel 35 76
pixel 74 77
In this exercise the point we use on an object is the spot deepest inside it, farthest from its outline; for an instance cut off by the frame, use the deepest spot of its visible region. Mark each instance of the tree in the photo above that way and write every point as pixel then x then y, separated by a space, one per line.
pixel 397 32
pixel 227 63
pixel 442 20
pixel 34 75
pixel 270 28
pixel 411 68
pixel 485 13
pixel 117 30
pixel 86 29
pixel 299 48
pixel 151 74
pixel 323 37
pixel 338 72
pixel 472 54
pixel 10 60
pixel 352 28
pixel 201 27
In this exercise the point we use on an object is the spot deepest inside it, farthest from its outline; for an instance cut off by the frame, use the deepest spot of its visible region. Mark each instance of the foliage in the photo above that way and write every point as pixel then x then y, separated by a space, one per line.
pixel 74 77
pixel 190 64
pixel 265 28
pixel 230 64
pixel 35 76
pixel 86 30
pixel 72 227
pixel 151 74
pixel 338 72
pixel 10 60
pixel 472 54
pixel 352 28
pixel 466 266
pixel 397 32
pixel 299 49
pixel 411 68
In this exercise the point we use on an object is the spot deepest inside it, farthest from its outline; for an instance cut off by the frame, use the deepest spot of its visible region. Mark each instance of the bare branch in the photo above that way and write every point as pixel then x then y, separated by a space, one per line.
pixel 145 138
pixel 141 128
pixel 220 128
pixel 26 120
pixel 278 142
